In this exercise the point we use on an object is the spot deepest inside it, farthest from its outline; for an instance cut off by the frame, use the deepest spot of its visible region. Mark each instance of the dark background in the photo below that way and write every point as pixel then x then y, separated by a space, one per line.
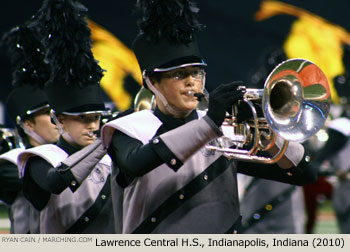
pixel 232 43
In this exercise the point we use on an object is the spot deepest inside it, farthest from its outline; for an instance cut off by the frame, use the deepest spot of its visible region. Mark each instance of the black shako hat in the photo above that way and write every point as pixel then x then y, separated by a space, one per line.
pixel 24 101
pixel 167 38
pixel 74 84
pixel 29 72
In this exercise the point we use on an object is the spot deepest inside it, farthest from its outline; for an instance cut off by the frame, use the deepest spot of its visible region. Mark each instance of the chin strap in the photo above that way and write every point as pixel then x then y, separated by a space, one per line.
pixel 167 106
pixel 31 133
pixel 64 134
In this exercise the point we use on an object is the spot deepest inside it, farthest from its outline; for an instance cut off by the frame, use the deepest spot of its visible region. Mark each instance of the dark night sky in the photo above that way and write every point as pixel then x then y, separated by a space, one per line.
pixel 231 43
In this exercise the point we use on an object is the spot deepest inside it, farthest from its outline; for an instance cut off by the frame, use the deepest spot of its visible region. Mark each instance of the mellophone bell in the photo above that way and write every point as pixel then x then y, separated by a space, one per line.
pixel 295 103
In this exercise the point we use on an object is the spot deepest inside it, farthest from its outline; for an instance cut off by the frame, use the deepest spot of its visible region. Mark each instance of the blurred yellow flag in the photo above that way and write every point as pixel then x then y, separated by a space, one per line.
pixel 311 37
pixel 118 60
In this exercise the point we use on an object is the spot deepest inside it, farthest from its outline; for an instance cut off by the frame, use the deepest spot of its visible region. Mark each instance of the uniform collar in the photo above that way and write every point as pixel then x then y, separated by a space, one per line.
pixel 63 144
pixel 171 122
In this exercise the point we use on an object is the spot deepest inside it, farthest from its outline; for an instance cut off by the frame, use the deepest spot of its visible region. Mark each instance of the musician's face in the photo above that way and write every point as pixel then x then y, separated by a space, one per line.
pixel 176 84
pixel 80 128
pixel 41 125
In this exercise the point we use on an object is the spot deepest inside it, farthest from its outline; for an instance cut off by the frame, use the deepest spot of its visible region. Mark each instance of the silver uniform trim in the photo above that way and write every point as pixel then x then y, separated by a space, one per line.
pixel 29 112
pixel 143 190
pixel 64 209
pixel 84 113
pixel 179 66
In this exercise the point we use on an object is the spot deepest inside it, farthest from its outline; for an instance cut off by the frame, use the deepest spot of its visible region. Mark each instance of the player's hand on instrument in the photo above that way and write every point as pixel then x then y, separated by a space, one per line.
pixel 222 99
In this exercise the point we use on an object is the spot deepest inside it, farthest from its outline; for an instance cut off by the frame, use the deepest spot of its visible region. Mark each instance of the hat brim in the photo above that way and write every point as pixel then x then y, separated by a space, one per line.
pixel 179 66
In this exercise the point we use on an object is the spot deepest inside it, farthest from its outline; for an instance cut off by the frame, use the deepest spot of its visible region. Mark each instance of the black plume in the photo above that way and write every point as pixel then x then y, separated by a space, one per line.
pixel 67 39
pixel 342 82
pixel 346 58
pixel 26 56
pixel 171 19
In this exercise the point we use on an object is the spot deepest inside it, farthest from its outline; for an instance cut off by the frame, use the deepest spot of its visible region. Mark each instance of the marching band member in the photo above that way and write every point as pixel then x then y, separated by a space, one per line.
pixel 27 106
pixel 336 150
pixel 74 200
pixel 163 180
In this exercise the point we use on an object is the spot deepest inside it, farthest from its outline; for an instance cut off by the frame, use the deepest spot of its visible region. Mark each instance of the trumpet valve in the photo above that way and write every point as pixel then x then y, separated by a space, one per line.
pixel 234 133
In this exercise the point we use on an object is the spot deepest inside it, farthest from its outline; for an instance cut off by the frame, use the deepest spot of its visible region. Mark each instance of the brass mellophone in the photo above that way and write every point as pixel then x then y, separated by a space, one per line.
pixel 295 103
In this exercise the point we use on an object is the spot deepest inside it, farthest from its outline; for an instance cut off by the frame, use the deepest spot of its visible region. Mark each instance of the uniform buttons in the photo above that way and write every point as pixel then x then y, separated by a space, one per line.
pixel 173 161
pixel 235 231
pixel 307 158
pixel 268 207
pixel 73 183
pixel 86 219
pixel 153 219
pixel 289 174
pixel 181 196
pixel 103 196
pixel 205 177
pixel 155 141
